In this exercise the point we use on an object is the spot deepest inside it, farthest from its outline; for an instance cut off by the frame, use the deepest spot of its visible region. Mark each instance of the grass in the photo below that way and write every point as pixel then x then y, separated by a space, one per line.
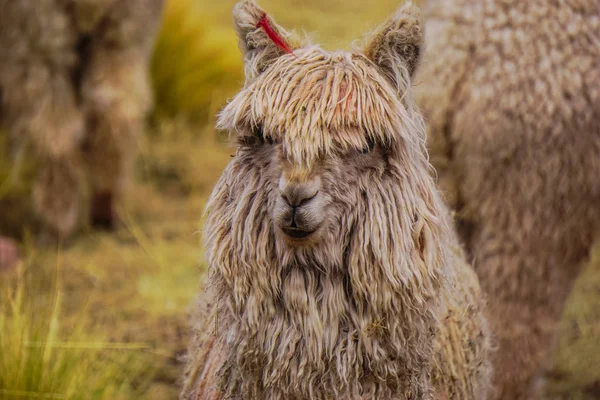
pixel 576 364
pixel 45 357
pixel 105 318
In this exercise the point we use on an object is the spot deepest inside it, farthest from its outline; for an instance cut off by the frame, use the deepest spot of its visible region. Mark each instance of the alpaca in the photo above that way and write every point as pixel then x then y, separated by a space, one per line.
pixel 74 86
pixel 334 271
pixel 510 90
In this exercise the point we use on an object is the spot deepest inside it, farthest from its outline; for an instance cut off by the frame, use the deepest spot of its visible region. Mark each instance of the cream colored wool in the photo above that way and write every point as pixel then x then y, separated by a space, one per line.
pixel 381 305
pixel 74 82
pixel 511 93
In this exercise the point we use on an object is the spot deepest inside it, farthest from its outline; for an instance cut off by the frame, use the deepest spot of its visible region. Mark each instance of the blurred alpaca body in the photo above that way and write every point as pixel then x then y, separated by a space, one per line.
pixel 334 271
pixel 74 84
pixel 9 254
pixel 511 93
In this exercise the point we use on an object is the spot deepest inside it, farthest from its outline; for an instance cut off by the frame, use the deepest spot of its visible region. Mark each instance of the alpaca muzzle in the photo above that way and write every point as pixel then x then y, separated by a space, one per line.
pixel 299 209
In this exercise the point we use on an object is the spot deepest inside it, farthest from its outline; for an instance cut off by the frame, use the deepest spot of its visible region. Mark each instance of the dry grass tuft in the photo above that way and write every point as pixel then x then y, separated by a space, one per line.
pixel 46 357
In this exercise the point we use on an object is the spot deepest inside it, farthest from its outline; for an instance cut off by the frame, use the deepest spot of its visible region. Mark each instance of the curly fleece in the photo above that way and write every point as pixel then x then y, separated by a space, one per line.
pixel 511 92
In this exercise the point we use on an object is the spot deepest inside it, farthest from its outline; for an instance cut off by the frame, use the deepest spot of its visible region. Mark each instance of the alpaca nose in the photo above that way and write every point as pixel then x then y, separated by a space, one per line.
pixel 299 209
pixel 297 195
pixel 298 192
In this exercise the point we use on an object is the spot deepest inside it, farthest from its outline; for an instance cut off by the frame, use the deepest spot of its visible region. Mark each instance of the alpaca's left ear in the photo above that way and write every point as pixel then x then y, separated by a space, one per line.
pixel 396 45
pixel 262 41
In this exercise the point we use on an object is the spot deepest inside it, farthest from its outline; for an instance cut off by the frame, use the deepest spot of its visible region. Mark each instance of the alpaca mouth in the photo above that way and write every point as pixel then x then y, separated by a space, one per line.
pixel 296 233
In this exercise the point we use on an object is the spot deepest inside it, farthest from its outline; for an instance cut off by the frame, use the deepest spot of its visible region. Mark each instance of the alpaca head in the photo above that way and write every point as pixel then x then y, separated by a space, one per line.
pixel 319 132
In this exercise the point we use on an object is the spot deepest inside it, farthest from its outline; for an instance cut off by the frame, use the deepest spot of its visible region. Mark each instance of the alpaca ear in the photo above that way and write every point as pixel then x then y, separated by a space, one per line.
pixel 261 40
pixel 396 45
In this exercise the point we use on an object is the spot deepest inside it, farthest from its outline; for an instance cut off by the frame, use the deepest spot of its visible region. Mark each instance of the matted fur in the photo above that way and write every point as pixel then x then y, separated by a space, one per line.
pixel 382 304
pixel 74 83
pixel 511 93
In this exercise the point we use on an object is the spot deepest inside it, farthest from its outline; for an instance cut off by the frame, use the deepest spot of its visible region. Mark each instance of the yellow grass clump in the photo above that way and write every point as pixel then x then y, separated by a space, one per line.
pixel 45 357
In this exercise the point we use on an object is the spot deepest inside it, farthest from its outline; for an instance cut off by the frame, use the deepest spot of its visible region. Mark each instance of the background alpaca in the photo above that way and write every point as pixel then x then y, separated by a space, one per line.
pixel 74 85
pixel 334 271
pixel 510 91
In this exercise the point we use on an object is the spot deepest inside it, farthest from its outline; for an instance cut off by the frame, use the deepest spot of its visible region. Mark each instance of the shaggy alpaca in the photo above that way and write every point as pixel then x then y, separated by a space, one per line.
pixel 511 93
pixel 334 273
pixel 74 84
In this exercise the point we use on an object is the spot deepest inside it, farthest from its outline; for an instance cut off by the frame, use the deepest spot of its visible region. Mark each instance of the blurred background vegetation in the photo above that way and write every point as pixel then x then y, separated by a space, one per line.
pixel 105 317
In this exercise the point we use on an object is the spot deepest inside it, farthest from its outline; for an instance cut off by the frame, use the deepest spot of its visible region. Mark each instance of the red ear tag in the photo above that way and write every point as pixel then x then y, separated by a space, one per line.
pixel 278 40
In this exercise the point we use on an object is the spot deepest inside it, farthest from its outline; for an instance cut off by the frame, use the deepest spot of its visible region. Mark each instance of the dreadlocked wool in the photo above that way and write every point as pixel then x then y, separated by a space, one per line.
pixel 511 93
pixel 74 86
pixel 377 302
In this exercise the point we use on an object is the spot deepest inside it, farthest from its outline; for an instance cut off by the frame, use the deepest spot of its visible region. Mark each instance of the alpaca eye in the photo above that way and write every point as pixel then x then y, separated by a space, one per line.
pixel 248 141
pixel 262 138
pixel 259 134
pixel 257 138
pixel 369 147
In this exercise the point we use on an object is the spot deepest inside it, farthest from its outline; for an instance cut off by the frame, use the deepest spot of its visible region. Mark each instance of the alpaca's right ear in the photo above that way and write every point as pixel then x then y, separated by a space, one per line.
pixel 262 41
